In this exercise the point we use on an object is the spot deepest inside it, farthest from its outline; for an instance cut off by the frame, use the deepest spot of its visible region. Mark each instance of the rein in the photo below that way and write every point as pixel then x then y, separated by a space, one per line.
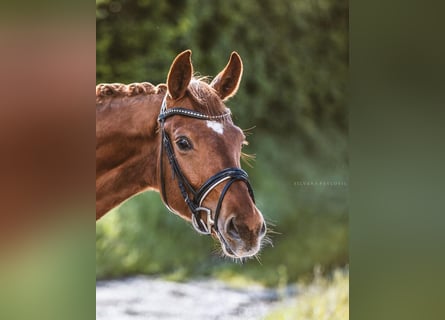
pixel 194 198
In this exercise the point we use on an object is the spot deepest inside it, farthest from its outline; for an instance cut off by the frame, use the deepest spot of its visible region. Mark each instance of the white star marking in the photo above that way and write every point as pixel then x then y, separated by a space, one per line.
pixel 216 126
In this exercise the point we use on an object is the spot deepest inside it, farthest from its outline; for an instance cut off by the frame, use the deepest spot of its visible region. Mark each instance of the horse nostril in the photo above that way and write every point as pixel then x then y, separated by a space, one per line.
pixel 263 230
pixel 232 230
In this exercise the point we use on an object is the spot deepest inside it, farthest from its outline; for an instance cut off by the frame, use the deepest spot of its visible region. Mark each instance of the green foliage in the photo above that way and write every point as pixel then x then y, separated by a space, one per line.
pixel 293 92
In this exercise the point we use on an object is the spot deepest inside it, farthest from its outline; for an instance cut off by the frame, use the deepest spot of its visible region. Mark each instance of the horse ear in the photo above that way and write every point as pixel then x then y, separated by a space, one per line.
pixel 226 83
pixel 180 75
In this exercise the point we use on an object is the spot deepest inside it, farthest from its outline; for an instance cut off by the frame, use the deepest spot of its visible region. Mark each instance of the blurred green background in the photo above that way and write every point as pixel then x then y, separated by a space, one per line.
pixel 293 95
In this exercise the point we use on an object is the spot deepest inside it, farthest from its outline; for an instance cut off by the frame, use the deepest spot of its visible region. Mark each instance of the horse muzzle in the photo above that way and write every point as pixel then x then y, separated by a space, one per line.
pixel 241 238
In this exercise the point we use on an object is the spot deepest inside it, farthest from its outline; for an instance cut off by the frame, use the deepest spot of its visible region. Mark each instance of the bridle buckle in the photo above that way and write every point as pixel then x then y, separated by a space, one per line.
pixel 199 225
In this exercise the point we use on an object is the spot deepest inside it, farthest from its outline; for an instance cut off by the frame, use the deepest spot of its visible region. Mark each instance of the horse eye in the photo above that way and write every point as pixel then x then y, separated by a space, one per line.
pixel 184 144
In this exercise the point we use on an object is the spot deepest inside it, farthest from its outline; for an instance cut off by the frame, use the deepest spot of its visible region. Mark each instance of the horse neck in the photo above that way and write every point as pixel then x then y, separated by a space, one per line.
pixel 127 149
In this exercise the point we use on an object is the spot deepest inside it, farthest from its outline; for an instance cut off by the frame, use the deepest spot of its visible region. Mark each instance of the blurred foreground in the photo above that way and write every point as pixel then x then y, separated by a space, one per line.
pixel 155 298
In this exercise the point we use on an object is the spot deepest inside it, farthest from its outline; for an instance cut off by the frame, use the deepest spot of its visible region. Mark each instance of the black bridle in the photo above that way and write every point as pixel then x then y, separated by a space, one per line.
pixel 194 198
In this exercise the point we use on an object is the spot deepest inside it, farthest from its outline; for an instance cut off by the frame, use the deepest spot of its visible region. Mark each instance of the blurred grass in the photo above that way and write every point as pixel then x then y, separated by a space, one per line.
pixel 324 299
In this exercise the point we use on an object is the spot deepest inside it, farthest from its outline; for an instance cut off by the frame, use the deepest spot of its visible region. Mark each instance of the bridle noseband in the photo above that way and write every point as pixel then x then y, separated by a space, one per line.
pixel 194 202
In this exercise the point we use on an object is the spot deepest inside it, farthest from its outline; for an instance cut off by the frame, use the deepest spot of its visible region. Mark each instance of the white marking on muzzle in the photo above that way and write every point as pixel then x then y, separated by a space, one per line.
pixel 216 126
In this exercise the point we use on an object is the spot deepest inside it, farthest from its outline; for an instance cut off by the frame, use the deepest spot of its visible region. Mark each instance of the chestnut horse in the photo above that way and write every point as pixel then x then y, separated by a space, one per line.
pixel 179 139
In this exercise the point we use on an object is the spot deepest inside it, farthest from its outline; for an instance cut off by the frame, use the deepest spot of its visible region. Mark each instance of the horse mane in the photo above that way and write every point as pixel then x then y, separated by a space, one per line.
pixel 206 98
pixel 113 90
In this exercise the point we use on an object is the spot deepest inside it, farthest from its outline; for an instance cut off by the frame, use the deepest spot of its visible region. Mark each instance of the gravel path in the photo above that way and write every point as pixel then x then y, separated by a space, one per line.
pixel 152 298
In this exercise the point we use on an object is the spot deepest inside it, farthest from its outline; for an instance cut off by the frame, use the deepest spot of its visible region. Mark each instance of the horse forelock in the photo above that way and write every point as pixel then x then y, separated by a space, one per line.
pixel 206 99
